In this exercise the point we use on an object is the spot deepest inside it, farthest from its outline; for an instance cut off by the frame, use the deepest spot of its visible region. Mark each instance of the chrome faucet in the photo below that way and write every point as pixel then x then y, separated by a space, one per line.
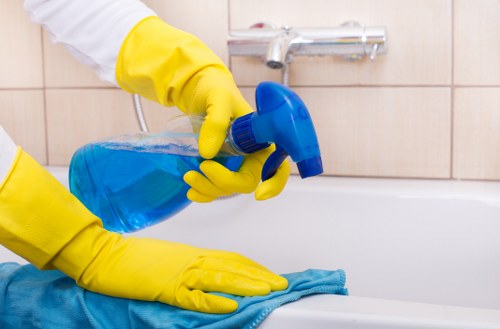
pixel 278 46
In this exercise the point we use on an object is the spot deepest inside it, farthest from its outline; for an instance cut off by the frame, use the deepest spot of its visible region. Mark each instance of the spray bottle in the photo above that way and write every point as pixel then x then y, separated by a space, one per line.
pixel 134 181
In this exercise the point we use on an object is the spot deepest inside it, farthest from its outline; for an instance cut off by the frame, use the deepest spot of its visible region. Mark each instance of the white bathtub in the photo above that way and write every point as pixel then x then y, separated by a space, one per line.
pixel 417 253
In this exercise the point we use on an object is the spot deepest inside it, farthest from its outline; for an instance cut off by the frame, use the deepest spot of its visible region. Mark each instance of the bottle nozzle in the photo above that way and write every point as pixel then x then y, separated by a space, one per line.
pixel 310 167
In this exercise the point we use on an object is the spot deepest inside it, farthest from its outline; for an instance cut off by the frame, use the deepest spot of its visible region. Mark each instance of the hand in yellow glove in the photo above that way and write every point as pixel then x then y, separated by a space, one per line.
pixel 43 222
pixel 217 180
pixel 172 67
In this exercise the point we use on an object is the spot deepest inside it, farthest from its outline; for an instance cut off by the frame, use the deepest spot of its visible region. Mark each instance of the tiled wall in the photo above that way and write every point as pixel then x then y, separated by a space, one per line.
pixel 429 108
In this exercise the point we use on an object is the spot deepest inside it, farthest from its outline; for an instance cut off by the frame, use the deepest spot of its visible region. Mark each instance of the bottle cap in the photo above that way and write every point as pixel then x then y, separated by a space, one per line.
pixel 243 137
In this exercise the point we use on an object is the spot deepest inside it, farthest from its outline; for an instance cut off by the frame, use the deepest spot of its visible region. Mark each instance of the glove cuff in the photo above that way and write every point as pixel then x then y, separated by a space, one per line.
pixel 83 250
pixel 157 60
pixel 38 215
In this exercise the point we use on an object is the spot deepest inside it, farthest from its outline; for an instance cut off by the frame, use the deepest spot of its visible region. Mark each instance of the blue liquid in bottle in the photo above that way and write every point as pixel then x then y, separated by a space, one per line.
pixel 131 187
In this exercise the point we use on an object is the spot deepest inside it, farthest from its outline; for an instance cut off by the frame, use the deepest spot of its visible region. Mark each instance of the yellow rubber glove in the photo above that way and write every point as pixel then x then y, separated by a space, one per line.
pixel 43 222
pixel 172 67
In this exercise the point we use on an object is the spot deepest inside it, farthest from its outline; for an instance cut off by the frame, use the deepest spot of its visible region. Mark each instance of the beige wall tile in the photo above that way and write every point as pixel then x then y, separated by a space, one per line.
pixel 476 146
pixel 477 50
pixel 22 116
pixel 419 35
pixel 79 116
pixel 391 132
pixel 207 19
pixel 63 70
pixel 21 50
pixel 157 115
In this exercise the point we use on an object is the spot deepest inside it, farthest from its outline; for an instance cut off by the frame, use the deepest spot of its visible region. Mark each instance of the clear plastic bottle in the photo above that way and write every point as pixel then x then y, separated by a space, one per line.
pixel 135 181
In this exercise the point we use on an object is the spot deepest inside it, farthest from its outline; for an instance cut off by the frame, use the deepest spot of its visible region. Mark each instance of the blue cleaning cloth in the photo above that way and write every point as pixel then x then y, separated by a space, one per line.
pixel 30 298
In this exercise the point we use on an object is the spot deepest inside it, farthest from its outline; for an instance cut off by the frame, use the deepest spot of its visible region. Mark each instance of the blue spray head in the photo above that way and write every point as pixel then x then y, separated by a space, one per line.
pixel 283 119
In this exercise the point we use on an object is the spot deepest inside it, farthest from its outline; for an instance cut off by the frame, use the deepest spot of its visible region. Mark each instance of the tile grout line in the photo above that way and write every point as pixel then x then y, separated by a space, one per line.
pixel 450 85
pixel 228 3
pixel 454 86
pixel 452 93
pixel 44 90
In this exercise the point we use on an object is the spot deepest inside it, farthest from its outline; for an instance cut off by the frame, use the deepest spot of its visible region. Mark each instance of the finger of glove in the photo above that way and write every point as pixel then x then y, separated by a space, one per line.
pixel 202 185
pixel 197 300
pixel 214 128
pixel 274 185
pixel 196 196
pixel 225 282
pixel 245 180
pixel 223 104
pixel 236 257
pixel 229 270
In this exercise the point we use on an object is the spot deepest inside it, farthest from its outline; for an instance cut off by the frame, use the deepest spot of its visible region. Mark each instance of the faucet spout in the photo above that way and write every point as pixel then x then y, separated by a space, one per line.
pixel 278 49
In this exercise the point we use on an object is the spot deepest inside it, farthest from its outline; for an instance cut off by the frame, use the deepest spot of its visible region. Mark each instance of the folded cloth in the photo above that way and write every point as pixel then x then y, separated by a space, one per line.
pixel 30 298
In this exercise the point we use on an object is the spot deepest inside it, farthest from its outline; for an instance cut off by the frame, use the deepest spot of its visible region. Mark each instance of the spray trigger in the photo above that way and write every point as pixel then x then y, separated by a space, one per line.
pixel 273 162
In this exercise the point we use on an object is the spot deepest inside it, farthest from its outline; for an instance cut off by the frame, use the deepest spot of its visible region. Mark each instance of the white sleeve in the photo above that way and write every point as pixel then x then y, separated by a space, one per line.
pixel 8 150
pixel 92 30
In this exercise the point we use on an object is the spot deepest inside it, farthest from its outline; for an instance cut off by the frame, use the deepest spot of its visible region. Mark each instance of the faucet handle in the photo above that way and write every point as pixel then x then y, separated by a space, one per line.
pixel 264 25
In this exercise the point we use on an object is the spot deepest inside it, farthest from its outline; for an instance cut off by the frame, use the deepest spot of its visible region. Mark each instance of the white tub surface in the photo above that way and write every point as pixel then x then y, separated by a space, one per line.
pixel 352 312
pixel 417 253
